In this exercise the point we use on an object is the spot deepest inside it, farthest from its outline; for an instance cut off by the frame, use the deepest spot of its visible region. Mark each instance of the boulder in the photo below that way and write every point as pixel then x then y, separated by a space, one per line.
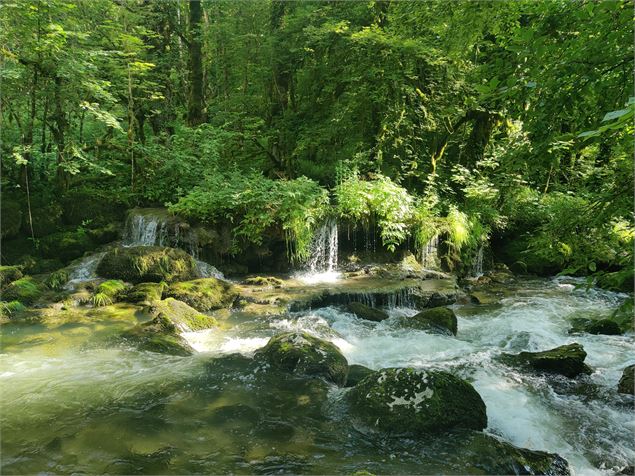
pixel 366 312
pixel 438 319
pixel 356 373
pixel 145 293
pixel 181 315
pixel 490 455
pixel 415 401
pixel 107 292
pixel 26 290
pixel 627 382
pixel 603 326
pixel 204 294
pixel 147 264
pixel 567 360
pixel 8 274
pixel 158 335
pixel 301 353
pixel 57 279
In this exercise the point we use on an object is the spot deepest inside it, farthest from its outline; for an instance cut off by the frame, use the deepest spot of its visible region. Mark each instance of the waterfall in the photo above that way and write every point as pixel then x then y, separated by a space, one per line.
pixel 84 269
pixel 430 253
pixel 322 263
pixel 478 263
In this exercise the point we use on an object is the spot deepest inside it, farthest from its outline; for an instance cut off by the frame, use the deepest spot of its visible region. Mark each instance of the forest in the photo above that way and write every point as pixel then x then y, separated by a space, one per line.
pixel 366 196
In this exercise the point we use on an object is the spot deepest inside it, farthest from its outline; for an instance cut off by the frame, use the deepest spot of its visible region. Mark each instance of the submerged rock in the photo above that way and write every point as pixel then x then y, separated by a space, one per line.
pixel 366 312
pixel 438 319
pixel 567 360
pixel 494 456
pixel 159 335
pixel 301 353
pixel 417 401
pixel 181 315
pixel 627 382
pixel 603 326
pixel 147 264
pixel 205 294
pixel 356 373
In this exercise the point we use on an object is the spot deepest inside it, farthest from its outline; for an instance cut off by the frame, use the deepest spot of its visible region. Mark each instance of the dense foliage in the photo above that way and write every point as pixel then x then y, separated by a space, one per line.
pixel 479 120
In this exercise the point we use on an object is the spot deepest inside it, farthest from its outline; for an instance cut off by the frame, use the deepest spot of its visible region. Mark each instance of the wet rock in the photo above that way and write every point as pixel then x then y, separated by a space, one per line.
pixel 494 456
pixel 205 294
pixel 107 292
pixel 567 360
pixel 417 401
pixel 438 319
pixel 8 274
pixel 145 293
pixel 147 264
pixel 268 281
pixel 627 382
pixel 301 353
pixel 603 326
pixel 356 373
pixel 480 297
pixel 366 312
pixel 159 335
pixel 181 315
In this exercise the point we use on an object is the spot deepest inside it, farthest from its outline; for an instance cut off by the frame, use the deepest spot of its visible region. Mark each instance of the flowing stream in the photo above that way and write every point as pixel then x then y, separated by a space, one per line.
pixel 73 402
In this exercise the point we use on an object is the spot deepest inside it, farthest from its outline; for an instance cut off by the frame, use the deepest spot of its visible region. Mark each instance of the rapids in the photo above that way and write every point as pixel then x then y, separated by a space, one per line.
pixel 73 402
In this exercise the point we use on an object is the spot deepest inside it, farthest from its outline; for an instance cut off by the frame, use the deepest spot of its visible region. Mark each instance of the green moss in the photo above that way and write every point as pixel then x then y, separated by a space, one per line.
pixel 8 274
pixel 107 292
pixel 8 309
pixel 145 293
pixel 147 264
pixel 66 245
pixel 301 353
pixel 181 315
pixel 440 319
pixel 159 335
pixel 104 234
pixel 269 281
pixel 417 401
pixel 25 290
pixel 567 360
pixel 204 294
pixel 366 312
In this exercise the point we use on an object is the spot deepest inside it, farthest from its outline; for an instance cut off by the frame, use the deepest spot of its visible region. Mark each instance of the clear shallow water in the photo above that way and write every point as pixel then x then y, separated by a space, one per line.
pixel 74 402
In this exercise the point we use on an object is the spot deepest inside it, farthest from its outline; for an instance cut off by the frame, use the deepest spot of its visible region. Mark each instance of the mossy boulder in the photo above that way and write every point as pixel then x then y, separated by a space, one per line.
pixel 301 353
pixel 57 279
pixel 204 294
pixel 567 360
pixel 147 264
pixel 11 218
pixel 158 335
pixel 8 274
pixel 26 290
pixel 182 316
pixel 145 293
pixel 356 373
pixel 410 401
pixel 266 281
pixel 437 319
pixel 627 382
pixel 366 312
pixel 494 456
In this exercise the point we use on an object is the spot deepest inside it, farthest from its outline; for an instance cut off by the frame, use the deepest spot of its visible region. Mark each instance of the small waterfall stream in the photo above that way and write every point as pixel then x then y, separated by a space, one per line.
pixel 430 253
pixel 322 263
pixel 477 270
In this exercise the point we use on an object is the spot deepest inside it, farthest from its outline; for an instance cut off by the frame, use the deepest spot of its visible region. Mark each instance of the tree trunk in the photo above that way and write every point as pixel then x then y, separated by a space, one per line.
pixel 195 103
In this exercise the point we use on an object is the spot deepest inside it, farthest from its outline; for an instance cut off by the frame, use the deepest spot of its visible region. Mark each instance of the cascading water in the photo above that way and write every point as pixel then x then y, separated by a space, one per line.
pixel 478 263
pixel 84 269
pixel 322 263
pixel 430 253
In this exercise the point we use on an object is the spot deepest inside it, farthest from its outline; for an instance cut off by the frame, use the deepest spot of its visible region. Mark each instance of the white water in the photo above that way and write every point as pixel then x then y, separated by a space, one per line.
pixel 84 270
pixel 430 254
pixel 321 267
pixel 591 426
pixel 478 263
